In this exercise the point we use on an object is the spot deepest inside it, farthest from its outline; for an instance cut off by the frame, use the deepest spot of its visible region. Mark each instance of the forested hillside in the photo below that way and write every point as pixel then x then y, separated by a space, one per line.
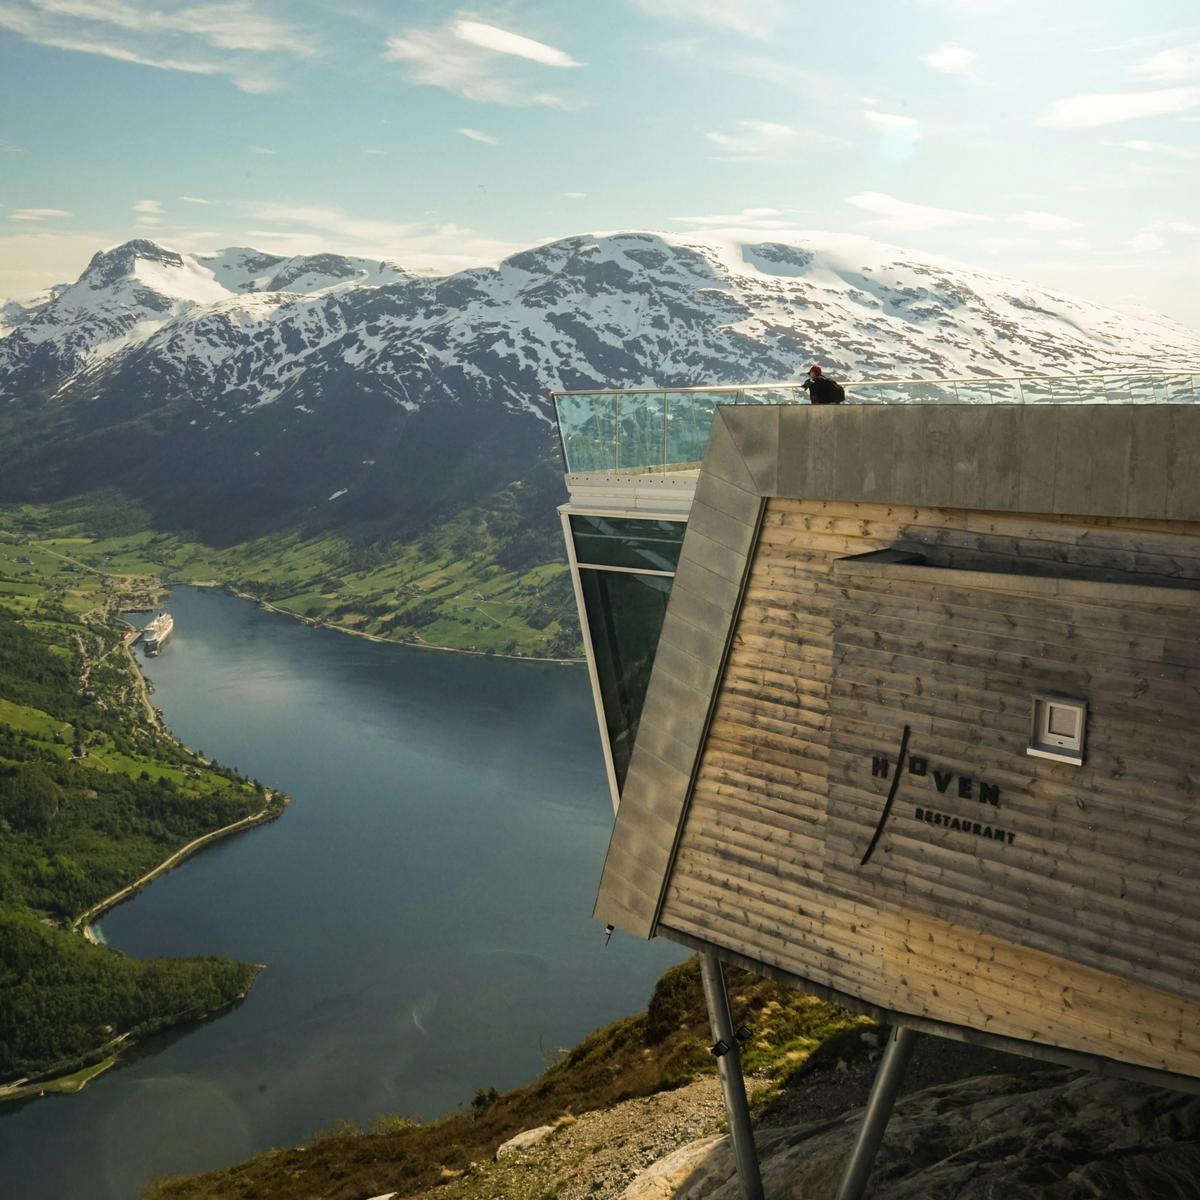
pixel 93 795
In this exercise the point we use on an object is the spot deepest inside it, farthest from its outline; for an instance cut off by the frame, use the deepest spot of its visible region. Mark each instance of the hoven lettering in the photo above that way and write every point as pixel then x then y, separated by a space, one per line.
pixel 987 793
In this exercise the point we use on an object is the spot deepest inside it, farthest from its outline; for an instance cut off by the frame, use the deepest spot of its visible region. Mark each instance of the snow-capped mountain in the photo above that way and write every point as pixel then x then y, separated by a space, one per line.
pixel 257 386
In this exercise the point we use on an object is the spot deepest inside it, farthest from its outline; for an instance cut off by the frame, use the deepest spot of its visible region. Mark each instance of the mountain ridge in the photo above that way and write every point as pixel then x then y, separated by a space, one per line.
pixel 240 395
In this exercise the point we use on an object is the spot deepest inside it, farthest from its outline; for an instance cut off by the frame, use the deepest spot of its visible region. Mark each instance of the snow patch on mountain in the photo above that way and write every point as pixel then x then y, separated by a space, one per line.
pixel 240 330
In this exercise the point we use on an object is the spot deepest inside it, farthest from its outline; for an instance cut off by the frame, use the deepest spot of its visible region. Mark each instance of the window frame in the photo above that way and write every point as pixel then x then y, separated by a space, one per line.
pixel 1056 746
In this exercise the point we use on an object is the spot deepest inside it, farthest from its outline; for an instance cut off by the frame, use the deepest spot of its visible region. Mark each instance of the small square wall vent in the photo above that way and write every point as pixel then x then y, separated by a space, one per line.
pixel 1058 729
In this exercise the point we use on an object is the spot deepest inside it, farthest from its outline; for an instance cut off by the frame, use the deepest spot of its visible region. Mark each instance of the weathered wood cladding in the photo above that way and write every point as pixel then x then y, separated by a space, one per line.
pixel 1081 930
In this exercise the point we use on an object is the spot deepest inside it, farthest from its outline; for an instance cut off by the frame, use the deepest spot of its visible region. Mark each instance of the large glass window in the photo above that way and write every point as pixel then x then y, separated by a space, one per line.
pixel 627 542
pixel 625 613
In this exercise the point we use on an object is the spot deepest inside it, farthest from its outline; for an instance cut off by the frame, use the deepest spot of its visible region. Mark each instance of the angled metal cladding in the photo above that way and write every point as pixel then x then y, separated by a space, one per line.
pixel 1135 461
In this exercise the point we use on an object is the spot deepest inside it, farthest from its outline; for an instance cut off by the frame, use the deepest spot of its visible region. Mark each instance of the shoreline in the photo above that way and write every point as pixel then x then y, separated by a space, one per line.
pixel 109 1053
pixel 82 924
pixel 370 637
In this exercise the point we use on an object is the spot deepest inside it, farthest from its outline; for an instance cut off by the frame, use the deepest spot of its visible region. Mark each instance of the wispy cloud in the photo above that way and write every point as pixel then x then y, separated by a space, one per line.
pixel 750 18
pixel 765 219
pixel 375 153
pixel 1144 242
pixel 892 213
pixel 148 206
pixel 477 135
pixel 232 38
pixel 754 141
pixel 951 59
pixel 575 195
pixel 293 228
pixel 264 150
pixel 1141 146
pixel 37 214
pixel 1044 222
pixel 1169 66
pixel 1187 227
pixel 1107 108
pixel 892 122
pixel 474 60
pixel 196 200
pixel 10 147
pixel 501 41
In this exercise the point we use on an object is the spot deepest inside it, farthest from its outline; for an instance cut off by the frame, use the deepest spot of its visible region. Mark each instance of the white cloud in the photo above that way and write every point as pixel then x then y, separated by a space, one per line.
pixel 10 147
pixel 951 59
pixel 892 122
pixel 764 219
pixel 754 141
pixel 500 41
pixel 376 153
pixel 196 200
pixel 1143 147
pixel 575 195
pixel 477 135
pixel 148 206
pixel 228 37
pixel 750 18
pixel 1107 108
pixel 899 214
pixel 1073 244
pixel 37 214
pixel 261 150
pixel 1145 242
pixel 1169 66
pixel 1183 227
pixel 417 245
pixel 1044 222
pixel 473 60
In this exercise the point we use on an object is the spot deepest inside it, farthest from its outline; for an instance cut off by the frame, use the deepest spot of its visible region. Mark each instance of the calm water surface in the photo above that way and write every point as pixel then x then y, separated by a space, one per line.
pixel 423 907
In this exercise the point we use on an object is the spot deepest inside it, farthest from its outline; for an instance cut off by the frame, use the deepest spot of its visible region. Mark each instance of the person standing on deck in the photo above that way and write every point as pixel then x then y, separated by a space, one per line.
pixel 821 389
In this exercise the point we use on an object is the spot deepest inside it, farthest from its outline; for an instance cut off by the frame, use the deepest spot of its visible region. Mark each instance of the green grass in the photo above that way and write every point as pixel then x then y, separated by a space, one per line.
pixel 33 721
pixel 460 585
pixel 79 1079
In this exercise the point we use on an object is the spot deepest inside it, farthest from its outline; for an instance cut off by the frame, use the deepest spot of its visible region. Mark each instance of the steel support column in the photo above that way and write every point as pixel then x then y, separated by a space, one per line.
pixel 879 1108
pixel 729 1067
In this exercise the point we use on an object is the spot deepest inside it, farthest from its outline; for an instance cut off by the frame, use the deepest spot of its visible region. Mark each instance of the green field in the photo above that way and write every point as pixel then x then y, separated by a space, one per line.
pixel 492 582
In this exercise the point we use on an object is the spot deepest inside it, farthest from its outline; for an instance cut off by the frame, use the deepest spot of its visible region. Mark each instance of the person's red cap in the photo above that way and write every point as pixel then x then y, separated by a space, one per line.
pixel 814 369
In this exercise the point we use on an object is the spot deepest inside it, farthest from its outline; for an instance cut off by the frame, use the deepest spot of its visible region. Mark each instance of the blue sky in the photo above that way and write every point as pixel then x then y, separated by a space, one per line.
pixel 1057 140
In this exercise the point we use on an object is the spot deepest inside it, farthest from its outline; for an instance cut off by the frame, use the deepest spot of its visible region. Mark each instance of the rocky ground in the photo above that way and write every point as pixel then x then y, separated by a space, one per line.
pixel 972 1125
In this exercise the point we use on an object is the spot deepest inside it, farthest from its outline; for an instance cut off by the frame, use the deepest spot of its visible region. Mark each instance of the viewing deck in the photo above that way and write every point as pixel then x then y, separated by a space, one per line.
pixel 646 432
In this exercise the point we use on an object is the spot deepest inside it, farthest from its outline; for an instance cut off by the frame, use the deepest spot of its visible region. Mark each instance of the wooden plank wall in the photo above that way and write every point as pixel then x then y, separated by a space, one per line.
pixel 1081 933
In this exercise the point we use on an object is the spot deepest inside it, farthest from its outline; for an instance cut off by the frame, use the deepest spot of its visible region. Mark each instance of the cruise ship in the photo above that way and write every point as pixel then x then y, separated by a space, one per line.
pixel 157 632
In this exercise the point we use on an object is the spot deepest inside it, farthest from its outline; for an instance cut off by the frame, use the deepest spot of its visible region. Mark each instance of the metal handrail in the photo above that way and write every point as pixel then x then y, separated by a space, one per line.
pixel 649 430
pixel 796 385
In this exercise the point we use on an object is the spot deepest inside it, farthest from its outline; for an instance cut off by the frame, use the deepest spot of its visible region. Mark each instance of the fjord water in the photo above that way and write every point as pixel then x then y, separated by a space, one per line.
pixel 423 906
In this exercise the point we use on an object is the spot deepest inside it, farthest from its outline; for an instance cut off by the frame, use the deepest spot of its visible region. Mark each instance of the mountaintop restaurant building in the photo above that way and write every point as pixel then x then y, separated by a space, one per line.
pixel 901 703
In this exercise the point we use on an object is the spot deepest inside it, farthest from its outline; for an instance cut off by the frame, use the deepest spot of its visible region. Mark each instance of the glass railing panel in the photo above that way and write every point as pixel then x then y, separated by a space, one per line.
pixel 641 432
pixel 651 432
pixel 988 391
pixel 908 392
pixel 689 418
pixel 1181 389
pixel 587 425
pixel 776 395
